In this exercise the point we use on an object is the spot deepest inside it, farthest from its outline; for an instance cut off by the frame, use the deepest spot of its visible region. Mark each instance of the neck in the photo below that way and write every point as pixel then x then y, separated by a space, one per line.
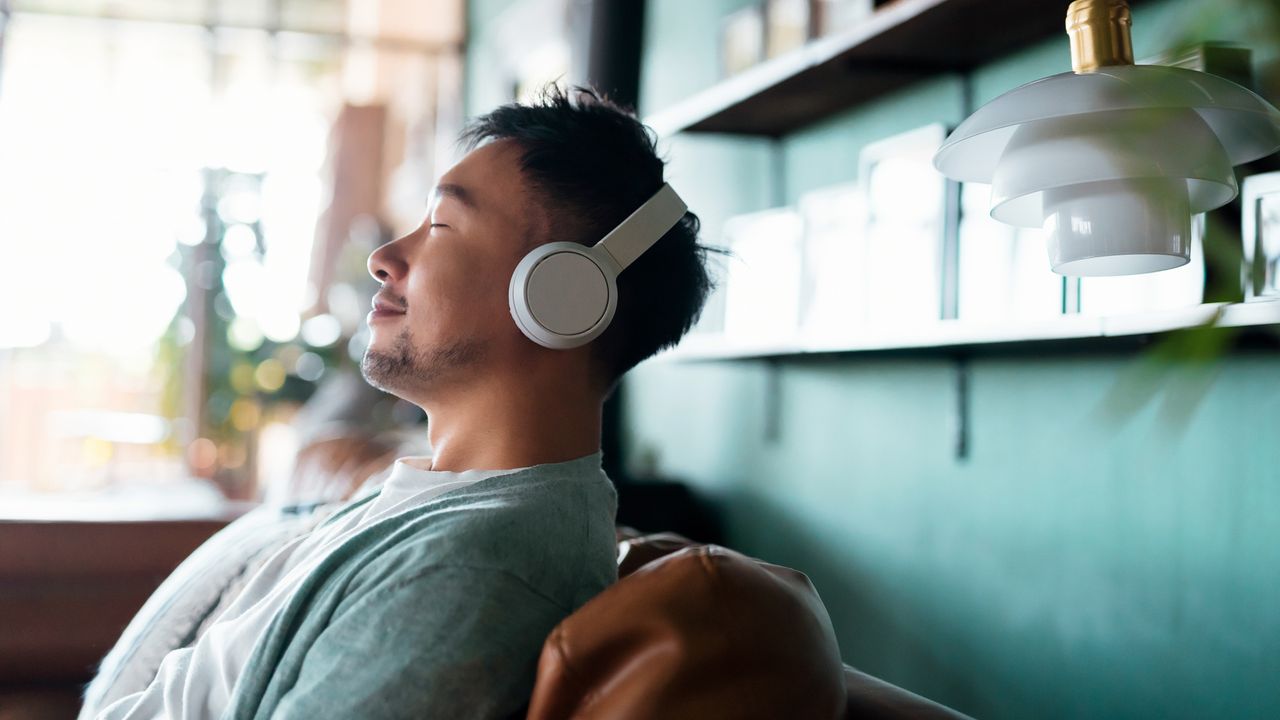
pixel 505 425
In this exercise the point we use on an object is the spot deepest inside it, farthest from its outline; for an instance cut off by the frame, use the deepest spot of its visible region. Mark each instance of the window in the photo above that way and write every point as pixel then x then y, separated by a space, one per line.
pixel 162 296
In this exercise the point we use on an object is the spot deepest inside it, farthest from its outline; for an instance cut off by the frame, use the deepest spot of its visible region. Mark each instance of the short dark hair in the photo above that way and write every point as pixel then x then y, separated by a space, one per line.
pixel 592 163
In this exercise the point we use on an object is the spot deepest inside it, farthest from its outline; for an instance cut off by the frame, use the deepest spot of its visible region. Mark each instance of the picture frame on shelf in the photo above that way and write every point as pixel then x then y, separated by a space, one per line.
pixel 763 276
pixel 833 287
pixel 1260 226
pixel 742 40
pixel 905 199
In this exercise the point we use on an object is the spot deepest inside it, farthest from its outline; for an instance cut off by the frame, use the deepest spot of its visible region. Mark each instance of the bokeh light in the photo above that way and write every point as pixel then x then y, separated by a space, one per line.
pixel 269 375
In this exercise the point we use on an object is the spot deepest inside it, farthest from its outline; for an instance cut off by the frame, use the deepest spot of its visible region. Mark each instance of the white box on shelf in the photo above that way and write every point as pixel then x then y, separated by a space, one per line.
pixel 905 197
pixel 788 25
pixel 834 16
pixel 833 299
pixel 1004 270
pixel 741 40
pixel 762 284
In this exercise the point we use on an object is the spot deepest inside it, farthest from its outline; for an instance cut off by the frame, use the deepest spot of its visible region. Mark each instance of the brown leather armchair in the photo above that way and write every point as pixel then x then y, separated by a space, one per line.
pixel 700 631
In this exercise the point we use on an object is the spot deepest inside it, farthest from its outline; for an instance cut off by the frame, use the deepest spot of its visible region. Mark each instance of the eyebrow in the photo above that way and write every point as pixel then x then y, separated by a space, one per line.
pixel 457 192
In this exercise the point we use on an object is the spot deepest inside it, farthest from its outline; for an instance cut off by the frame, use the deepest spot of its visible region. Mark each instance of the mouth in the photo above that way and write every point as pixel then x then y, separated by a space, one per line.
pixel 377 315
pixel 384 303
pixel 384 308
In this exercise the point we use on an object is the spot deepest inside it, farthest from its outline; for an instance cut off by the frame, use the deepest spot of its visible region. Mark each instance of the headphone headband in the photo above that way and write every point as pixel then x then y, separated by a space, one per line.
pixel 644 227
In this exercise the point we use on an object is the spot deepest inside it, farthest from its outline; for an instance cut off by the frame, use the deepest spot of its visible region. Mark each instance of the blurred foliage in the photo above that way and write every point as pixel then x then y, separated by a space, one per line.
pixel 242 385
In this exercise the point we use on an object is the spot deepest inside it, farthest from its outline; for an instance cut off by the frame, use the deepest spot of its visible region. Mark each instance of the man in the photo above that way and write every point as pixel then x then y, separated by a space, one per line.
pixel 432 597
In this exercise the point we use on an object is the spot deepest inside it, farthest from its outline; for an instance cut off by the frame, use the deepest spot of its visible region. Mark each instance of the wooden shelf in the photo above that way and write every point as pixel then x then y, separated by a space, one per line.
pixel 949 336
pixel 901 43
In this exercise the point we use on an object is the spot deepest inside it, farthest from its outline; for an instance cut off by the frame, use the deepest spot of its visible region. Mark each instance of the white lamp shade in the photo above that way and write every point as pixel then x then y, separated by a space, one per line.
pixel 1112 145
pixel 1112 163
pixel 1118 227
pixel 1247 126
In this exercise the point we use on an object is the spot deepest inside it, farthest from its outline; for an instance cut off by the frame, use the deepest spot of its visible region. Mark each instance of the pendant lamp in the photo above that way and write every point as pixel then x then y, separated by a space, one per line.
pixel 1111 159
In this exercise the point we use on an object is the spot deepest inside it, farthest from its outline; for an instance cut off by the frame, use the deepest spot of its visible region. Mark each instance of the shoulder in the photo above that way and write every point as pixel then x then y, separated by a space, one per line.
pixel 550 529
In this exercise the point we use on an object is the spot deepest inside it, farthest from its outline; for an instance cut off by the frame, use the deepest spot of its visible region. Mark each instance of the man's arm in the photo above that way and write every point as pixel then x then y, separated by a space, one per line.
pixel 449 642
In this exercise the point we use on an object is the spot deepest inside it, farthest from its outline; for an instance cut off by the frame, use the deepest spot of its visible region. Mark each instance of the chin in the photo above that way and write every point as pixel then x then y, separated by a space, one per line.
pixel 402 367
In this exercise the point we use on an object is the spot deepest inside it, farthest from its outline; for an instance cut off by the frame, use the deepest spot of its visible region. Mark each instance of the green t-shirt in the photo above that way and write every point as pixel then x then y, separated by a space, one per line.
pixel 440 611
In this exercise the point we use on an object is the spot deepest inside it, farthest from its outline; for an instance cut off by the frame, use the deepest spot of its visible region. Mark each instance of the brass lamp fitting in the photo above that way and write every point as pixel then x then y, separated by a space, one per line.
pixel 1099 33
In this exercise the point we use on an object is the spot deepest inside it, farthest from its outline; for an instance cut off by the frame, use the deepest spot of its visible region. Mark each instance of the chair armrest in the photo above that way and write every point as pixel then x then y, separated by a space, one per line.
pixel 870 697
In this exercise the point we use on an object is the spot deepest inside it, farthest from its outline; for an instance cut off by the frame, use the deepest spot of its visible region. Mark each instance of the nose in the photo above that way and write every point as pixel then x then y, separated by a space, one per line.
pixel 387 264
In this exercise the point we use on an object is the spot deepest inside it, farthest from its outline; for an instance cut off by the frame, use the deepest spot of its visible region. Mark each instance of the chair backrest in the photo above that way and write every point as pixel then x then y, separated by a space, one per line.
pixel 695 631
pixel 701 632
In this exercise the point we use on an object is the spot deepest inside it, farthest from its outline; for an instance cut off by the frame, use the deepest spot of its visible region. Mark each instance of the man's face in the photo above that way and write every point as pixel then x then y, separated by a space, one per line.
pixel 442 311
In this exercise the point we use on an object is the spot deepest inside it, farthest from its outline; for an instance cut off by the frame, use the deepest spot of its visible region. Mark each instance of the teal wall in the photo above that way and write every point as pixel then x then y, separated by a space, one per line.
pixel 483 87
pixel 1081 562
pixel 1074 565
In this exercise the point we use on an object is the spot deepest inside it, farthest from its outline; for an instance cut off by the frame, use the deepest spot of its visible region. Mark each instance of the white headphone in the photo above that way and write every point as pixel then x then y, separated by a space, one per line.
pixel 563 294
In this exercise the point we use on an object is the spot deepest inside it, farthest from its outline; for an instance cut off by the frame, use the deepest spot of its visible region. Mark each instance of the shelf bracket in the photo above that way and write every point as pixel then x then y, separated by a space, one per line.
pixel 772 401
pixel 962 408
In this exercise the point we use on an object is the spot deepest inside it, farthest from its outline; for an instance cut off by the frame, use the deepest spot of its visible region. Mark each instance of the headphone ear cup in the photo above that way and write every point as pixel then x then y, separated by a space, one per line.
pixel 563 295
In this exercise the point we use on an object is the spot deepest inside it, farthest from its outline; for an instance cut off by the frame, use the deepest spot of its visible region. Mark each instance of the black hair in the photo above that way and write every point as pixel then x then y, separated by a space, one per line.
pixel 592 163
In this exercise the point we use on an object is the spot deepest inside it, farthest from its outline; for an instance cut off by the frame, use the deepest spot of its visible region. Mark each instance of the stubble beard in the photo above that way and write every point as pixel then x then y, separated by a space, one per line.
pixel 406 370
